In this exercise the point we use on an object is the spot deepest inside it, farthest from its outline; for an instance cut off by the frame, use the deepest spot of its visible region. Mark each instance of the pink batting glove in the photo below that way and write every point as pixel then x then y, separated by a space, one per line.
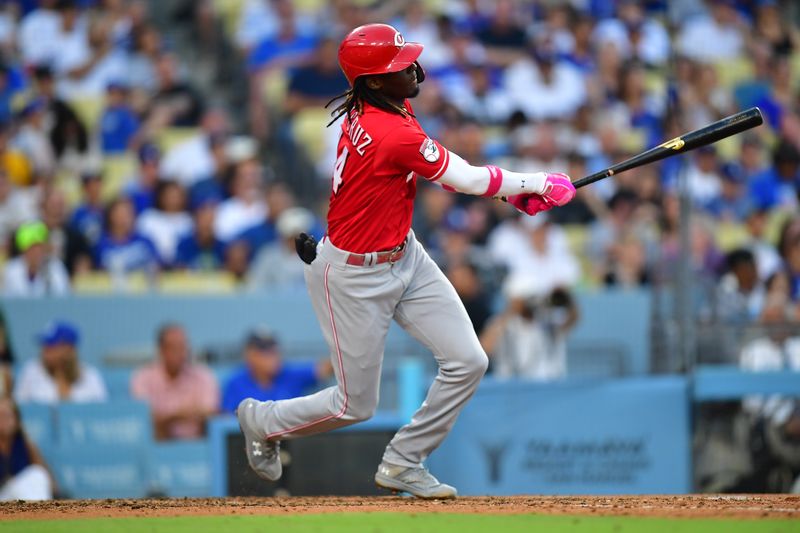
pixel 530 204
pixel 558 191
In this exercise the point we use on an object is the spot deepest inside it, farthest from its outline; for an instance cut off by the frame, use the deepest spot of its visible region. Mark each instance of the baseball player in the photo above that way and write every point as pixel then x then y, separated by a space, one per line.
pixel 369 269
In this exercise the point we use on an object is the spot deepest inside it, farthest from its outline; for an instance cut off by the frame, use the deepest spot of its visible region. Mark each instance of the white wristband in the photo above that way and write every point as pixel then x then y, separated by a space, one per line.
pixel 468 179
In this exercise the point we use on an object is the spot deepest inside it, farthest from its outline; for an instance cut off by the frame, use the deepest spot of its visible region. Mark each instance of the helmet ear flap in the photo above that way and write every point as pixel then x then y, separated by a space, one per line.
pixel 420 72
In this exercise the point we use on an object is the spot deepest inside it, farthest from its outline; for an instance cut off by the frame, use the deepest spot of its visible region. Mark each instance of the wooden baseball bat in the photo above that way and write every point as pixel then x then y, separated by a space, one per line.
pixel 712 133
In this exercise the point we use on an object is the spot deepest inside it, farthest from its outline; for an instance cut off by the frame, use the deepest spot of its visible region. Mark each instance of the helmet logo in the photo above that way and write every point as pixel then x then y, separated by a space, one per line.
pixel 398 39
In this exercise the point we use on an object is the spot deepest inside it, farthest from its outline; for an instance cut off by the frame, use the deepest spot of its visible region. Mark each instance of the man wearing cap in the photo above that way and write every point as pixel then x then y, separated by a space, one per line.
pixel 167 222
pixel 246 206
pixel 778 187
pixel 534 244
pixel 192 160
pixel 201 250
pixel 715 36
pixel 265 376
pixel 58 375
pixel 88 216
pixel 66 243
pixel 67 131
pixel 732 204
pixel 528 339
pixel 276 264
pixel 119 123
pixel 34 273
pixel 542 85
pixel 703 176
pixel 217 181
pixel 141 189
pixel 32 137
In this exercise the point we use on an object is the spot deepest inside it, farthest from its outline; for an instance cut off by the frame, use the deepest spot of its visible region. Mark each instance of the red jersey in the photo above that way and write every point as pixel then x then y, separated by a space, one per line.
pixel 373 179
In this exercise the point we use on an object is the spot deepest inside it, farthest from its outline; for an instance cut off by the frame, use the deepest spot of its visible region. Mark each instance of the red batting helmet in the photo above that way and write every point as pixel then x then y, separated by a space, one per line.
pixel 376 49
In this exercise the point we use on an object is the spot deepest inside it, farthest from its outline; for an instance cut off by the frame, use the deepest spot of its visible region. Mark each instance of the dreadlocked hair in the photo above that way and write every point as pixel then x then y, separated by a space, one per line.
pixel 355 98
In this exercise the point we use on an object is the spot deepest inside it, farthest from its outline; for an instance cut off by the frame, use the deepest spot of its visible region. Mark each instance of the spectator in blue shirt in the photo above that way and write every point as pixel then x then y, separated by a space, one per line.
pixel 121 249
pixel 217 183
pixel 789 249
pixel 279 198
pixel 11 83
pixel 313 85
pixel 201 250
pixel 265 376
pixel 23 472
pixel 779 186
pixel 119 123
pixel 142 190
pixel 290 45
pixel 88 216
pixel 732 204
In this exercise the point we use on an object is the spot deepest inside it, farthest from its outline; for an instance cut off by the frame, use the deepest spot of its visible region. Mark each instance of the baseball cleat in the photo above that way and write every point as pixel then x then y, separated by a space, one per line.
pixel 263 456
pixel 415 481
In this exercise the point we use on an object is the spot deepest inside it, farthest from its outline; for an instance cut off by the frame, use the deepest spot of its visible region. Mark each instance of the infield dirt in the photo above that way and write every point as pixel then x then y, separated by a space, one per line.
pixel 692 506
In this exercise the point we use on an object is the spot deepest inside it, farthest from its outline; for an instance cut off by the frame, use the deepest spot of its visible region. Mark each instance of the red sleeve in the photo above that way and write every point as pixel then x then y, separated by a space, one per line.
pixel 409 150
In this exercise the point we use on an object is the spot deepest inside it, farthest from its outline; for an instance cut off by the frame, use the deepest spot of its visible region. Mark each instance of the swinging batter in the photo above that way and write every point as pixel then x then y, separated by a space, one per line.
pixel 369 269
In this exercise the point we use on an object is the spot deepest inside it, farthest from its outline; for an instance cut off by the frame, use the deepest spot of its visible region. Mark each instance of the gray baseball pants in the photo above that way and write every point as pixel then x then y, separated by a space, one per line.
pixel 355 306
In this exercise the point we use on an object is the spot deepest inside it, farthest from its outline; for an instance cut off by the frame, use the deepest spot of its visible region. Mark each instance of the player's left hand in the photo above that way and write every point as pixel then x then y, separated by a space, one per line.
pixel 558 191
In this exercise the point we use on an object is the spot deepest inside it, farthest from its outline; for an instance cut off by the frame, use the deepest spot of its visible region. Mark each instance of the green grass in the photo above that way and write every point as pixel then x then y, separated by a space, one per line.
pixel 407 523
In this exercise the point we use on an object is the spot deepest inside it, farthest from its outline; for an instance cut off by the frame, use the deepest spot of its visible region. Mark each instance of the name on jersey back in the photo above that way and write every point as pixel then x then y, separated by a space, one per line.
pixel 359 138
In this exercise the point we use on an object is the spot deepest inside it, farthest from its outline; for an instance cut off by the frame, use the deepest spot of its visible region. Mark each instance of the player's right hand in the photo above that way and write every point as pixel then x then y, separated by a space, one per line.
pixel 306 246
pixel 558 191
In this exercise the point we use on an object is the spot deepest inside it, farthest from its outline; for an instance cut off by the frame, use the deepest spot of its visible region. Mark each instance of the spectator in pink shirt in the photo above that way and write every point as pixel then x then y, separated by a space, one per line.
pixel 181 394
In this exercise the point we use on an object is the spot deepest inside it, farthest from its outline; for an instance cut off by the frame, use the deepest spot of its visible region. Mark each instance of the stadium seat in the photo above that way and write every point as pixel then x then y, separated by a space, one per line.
pixel 99 471
pixel 229 12
pixel 197 283
pixel 730 235
pixel 101 283
pixel 224 372
pixel 169 138
pixel 794 67
pixel 109 424
pixel 655 83
pixel 308 130
pixel 118 383
pixel 274 86
pixel 775 221
pixel 577 239
pixel 39 423
pixel 729 149
pixel 118 170
pixel 309 6
pixel 68 182
pixel 633 140
pixel 597 359
pixel 89 110
pixel 734 71
pixel 180 469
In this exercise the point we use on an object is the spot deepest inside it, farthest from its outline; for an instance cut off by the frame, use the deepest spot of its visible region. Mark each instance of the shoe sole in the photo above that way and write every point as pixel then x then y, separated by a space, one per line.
pixel 397 487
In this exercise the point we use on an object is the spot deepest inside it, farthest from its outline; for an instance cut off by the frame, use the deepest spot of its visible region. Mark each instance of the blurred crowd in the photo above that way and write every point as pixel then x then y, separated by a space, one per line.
pixel 182 393
pixel 123 163
pixel 120 161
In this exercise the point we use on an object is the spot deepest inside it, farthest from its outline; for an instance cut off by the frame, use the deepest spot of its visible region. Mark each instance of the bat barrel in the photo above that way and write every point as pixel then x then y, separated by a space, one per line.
pixel 722 129
pixel 712 133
